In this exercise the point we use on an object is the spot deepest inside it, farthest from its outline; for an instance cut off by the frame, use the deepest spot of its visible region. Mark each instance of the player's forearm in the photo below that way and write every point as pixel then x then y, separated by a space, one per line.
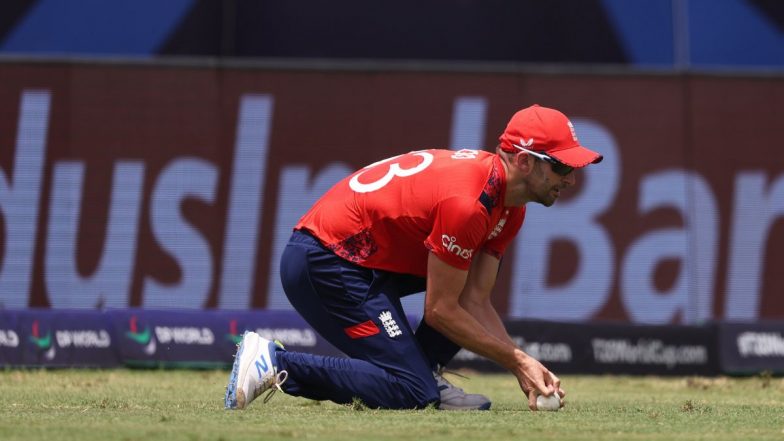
pixel 487 316
pixel 464 329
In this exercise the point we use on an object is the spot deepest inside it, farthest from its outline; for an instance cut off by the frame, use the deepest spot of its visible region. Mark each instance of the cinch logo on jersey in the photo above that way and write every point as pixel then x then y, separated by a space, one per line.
pixel 144 337
pixel 389 324
pixel 8 338
pixel 184 335
pixel 43 343
pixel 450 244
pixel 83 338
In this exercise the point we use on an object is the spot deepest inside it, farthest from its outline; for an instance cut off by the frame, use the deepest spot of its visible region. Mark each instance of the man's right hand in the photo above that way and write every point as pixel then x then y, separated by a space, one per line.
pixel 535 379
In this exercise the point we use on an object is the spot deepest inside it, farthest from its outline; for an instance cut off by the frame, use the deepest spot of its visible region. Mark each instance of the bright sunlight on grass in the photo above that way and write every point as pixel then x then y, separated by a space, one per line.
pixel 188 405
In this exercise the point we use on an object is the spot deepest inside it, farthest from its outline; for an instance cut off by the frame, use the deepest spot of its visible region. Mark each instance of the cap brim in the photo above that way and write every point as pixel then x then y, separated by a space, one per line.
pixel 578 156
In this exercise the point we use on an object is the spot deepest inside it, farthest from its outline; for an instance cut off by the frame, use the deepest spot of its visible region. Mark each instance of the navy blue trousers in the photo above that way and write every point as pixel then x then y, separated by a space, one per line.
pixel 358 311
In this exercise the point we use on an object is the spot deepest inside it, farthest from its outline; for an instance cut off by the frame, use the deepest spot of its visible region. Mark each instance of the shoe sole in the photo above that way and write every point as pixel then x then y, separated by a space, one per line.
pixel 485 406
pixel 235 398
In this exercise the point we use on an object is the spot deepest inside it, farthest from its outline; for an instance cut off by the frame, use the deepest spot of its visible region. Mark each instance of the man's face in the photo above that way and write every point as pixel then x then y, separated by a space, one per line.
pixel 545 185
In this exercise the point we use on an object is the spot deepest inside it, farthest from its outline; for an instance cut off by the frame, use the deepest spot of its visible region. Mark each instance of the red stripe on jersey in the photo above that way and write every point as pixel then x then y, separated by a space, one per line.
pixel 362 330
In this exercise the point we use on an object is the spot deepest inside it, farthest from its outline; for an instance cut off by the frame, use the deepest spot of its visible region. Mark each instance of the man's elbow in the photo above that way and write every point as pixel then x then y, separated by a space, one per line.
pixel 435 317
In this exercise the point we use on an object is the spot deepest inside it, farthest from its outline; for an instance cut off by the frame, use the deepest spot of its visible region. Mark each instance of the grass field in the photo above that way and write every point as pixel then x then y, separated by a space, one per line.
pixel 188 405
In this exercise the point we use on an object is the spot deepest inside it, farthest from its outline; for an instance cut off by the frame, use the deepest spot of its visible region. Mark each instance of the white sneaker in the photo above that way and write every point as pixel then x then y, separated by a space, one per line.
pixel 454 398
pixel 255 371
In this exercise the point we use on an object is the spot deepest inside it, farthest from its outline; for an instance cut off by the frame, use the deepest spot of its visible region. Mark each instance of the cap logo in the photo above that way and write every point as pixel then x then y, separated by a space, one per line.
pixel 571 129
pixel 530 141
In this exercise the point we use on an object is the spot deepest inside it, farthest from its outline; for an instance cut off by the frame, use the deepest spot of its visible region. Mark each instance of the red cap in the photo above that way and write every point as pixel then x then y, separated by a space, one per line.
pixel 546 130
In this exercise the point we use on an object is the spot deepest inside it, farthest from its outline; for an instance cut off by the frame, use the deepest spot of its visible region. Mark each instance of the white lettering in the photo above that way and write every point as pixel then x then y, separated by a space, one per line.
pixel 83 339
pixel 394 170
pixel 19 200
pixel 650 352
pixel 184 335
pixel 449 242
pixel 760 344
pixel 576 221
pixel 180 180
pixel 695 246
pixel 289 336
pixel 110 283
pixel 546 352
pixel 8 338
pixel 755 212
pixel 465 154
pixel 249 171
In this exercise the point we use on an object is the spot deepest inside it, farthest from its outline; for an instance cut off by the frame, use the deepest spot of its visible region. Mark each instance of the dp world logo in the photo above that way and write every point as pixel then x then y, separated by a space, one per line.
pixel 143 338
pixel 43 343
pixel 233 336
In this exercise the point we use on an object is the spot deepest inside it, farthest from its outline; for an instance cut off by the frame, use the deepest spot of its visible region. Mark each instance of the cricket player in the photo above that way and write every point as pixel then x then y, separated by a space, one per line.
pixel 436 221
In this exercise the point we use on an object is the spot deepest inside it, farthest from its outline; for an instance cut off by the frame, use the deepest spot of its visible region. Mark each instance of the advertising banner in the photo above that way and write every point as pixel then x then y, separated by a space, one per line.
pixel 205 339
pixel 57 338
pixel 158 187
pixel 601 348
pixel 10 343
pixel 751 348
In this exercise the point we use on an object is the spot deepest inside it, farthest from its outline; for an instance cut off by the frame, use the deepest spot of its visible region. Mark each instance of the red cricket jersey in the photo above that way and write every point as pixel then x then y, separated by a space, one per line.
pixel 389 214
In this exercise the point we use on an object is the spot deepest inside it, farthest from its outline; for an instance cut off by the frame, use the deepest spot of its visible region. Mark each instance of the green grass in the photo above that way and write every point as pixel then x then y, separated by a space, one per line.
pixel 188 405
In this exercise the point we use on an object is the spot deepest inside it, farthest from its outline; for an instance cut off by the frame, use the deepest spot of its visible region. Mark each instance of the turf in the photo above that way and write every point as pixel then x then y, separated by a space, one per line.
pixel 188 405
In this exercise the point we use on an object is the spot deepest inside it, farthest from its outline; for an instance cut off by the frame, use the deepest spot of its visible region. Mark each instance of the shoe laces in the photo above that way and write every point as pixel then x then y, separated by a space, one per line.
pixel 273 383
pixel 440 379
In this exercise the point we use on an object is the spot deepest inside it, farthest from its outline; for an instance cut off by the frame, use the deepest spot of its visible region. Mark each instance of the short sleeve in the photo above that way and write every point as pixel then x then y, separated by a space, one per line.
pixel 460 227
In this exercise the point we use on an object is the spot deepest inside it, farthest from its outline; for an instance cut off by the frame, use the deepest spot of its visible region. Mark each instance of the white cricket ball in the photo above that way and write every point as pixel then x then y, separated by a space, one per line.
pixel 553 402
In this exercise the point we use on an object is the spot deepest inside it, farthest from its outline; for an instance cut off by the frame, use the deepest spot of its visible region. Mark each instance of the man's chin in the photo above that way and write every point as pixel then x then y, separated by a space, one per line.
pixel 546 201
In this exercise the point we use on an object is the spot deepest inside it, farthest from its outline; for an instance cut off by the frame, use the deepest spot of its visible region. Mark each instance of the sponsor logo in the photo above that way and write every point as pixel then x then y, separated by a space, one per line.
pixel 83 338
pixel 529 143
pixel 571 129
pixel 450 243
pixel 647 352
pixel 499 227
pixel 543 351
pixel 233 335
pixel 184 335
pixel 760 344
pixel 8 338
pixel 390 325
pixel 261 366
pixel 465 154
pixel 143 338
pixel 44 344
pixel 546 351
pixel 290 336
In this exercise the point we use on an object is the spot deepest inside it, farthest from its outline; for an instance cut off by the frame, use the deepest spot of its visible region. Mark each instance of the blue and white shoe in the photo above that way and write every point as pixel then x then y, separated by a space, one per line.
pixel 255 371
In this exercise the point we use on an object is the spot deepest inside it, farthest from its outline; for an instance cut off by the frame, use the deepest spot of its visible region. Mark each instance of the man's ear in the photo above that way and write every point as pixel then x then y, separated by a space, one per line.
pixel 524 162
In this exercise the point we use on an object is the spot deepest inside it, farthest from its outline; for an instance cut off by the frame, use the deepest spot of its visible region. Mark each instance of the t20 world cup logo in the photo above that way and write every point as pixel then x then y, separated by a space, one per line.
pixel 45 343
pixel 144 337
